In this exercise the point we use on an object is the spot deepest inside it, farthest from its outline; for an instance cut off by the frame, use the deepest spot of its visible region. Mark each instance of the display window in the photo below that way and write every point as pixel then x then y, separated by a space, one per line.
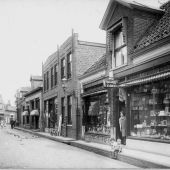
pixel 98 115
pixel 150 110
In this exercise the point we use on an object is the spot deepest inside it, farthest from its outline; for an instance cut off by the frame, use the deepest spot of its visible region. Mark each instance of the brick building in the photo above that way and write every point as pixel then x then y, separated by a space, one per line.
pixel 61 87
pixel 32 111
pixel 138 57
pixel 20 103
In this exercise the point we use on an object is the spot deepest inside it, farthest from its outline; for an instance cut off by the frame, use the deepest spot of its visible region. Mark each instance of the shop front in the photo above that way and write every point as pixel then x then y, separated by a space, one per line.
pixel 149 105
pixel 96 112
pixel 51 113
pixel 97 118
pixel 34 118
pixel 25 116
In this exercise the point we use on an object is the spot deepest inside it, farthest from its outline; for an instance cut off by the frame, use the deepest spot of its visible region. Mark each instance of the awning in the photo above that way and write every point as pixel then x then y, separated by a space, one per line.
pixel 147 79
pixel 93 93
pixel 34 113
pixel 25 113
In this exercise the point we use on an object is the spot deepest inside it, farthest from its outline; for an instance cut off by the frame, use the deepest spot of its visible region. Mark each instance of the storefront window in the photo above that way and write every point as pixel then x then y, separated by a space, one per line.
pixel 150 110
pixel 98 115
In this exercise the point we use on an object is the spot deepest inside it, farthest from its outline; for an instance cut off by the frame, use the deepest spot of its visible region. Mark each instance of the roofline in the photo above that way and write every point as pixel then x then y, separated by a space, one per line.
pixel 104 68
pixel 88 43
pixel 33 91
pixel 129 5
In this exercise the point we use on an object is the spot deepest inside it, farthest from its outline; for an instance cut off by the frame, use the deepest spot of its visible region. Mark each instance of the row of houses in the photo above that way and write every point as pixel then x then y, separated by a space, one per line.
pixel 86 85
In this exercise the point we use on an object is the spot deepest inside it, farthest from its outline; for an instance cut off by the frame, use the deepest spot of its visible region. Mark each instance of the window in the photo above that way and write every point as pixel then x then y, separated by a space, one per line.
pixel 37 104
pixel 97 114
pixel 47 80
pixel 44 82
pixel 52 77
pixel 150 110
pixel 32 104
pixel 62 109
pixel 55 74
pixel 69 65
pixel 120 48
pixel 69 108
pixel 62 68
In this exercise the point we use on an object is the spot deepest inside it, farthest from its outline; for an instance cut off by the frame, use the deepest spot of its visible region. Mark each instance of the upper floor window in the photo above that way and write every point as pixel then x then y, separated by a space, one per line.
pixel 69 65
pixel 52 77
pixel 44 82
pixel 47 80
pixel 62 68
pixel 120 48
pixel 55 74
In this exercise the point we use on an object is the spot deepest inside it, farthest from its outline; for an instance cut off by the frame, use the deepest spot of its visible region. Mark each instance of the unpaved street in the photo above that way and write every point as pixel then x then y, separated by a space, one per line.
pixel 23 150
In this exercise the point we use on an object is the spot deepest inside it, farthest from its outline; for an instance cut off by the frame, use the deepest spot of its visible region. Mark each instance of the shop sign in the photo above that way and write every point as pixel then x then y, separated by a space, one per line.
pixel 110 83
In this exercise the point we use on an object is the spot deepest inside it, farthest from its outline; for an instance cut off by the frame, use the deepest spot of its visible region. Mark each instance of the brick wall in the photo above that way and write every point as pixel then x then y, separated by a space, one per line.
pixel 87 54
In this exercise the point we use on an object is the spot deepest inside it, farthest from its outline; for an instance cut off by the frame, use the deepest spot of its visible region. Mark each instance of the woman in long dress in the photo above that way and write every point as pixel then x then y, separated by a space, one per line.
pixel 123 127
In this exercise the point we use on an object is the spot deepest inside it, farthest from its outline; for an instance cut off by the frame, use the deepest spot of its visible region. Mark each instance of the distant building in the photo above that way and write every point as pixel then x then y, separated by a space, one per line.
pixel 32 114
pixel 10 112
pixel 20 102
pixel 2 109
pixel 7 112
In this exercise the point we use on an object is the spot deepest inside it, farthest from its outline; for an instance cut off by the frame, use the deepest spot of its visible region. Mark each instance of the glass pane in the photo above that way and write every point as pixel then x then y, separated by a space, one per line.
pixel 118 58
pixel 150 113
pixel 118 38
pixel 124 54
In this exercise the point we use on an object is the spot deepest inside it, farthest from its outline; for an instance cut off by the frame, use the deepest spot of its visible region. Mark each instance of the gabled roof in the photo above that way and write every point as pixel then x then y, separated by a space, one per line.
pixel 97 65
pixel 157 32
pixel 129 4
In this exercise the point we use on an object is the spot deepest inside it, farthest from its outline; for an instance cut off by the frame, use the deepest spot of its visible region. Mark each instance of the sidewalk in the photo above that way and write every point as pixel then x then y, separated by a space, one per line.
pixel 143 154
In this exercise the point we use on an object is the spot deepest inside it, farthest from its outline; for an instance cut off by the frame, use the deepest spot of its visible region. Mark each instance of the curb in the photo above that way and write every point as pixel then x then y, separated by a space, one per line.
pixel 123 158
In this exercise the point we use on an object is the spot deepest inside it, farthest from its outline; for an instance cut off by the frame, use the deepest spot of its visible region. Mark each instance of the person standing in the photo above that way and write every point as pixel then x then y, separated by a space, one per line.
pixel 123 127
pixel 12 123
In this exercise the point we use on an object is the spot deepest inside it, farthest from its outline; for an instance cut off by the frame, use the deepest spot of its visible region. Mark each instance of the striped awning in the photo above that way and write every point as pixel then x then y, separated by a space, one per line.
pixel 25 113
pixel 34 113
pixel 147 79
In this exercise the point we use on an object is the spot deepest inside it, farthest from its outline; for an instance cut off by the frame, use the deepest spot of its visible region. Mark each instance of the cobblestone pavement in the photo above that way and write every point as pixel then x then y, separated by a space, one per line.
pixel 23 150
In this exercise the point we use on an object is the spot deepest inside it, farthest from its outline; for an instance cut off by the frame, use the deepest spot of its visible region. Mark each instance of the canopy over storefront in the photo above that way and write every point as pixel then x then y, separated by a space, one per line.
pixel 34 113
pixel 147 79
pixel 25 113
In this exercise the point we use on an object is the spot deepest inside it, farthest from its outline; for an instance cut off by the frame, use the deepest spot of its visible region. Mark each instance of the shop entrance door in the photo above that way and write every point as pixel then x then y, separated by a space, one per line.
pixel 121 107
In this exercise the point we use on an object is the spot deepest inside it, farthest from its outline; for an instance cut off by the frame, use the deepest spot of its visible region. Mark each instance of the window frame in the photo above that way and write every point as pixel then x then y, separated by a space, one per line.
pixel 56 74
pixel 52 77
pixel 116 29
pixel 69 65
pixel 63 65
pixel 44 82
pixel 47 80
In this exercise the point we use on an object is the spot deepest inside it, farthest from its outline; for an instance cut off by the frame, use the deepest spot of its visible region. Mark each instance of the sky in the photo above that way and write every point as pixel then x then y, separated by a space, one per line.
pixel 31 30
